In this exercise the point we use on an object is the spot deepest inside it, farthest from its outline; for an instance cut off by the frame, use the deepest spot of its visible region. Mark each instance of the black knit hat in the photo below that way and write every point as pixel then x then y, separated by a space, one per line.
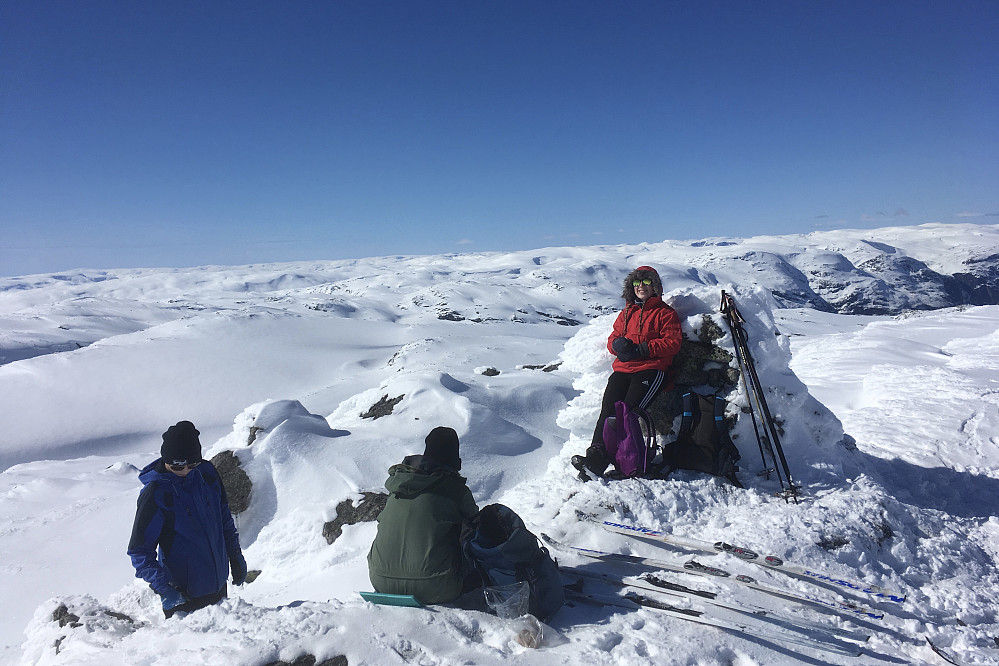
pixel 442 447
pixel 181 445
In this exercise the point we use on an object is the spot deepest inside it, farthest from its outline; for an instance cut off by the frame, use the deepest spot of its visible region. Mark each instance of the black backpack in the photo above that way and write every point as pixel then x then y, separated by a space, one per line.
pixel 504 551
pixel 703 443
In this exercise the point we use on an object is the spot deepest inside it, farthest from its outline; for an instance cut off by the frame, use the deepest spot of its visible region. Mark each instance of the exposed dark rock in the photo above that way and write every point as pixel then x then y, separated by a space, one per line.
pixel 310 660
pixel 235 481
pixel 551 367
pixel 253 435
pixel 64 617
pixel 119 616
pixel 449 315
pixel 664 410
pixel 832 542
pixel 700 363
pixel 347 514
pixel 709 332
pixel 383 407
pixel 490 372
pixel 561 320
pixel 884 532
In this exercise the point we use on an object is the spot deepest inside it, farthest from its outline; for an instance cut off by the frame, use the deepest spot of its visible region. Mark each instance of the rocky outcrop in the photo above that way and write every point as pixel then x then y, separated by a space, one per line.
pixel 383 407
pixel 235 481
pixel 367 510
pixel 310 660
pixel 700 365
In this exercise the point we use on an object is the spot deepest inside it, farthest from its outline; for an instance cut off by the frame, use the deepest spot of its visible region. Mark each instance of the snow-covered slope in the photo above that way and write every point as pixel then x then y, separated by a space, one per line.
pixel 889 424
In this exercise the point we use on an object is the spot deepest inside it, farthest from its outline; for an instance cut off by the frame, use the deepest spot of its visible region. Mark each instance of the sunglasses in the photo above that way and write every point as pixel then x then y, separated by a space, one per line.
pixel 646 282
pixel 181 468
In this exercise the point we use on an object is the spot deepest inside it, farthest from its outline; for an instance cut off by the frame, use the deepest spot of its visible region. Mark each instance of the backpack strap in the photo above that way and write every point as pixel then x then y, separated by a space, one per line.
pixel 719 412
pixel 652 438
pixel 687 420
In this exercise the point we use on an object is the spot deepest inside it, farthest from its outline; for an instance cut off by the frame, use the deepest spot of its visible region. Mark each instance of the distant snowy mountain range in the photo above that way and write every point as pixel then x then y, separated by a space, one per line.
pixel 862 271
pixel 885 271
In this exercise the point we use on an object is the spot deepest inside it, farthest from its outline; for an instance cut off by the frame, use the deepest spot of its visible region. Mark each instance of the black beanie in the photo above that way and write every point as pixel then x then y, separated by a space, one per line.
pixel 181 445
pixel 442 447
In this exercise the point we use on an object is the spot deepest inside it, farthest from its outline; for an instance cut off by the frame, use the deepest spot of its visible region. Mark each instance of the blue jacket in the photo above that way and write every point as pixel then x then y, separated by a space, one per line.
pixel 188 519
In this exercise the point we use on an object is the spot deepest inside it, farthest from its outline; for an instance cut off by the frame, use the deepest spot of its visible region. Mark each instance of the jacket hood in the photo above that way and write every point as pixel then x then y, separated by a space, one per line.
pixel 416 474
pixel 641 273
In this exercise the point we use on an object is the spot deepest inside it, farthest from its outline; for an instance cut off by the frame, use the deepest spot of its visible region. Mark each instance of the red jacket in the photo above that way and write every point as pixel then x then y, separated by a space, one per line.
pixel 653 323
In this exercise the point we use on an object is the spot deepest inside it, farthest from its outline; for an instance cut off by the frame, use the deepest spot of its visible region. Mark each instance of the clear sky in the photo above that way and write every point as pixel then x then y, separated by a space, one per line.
pixel 175 133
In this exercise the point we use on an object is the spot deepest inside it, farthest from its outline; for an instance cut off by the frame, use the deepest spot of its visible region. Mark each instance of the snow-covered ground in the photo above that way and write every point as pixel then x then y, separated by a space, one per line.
pixel 891 424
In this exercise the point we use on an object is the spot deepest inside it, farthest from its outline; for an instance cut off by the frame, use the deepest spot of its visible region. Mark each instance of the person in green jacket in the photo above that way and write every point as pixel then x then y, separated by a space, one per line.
pixel 416 550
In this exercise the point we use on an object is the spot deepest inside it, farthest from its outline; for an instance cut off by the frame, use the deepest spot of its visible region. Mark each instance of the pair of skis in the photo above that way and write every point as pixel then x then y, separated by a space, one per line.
pixel 661 586
pixel 845 608
pixel 633 601
pixel 873 592
pixel 758 622
pixel 768 439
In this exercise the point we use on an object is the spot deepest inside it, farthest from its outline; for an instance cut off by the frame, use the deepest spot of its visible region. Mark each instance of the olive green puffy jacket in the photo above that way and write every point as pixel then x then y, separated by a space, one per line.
pixel 416 550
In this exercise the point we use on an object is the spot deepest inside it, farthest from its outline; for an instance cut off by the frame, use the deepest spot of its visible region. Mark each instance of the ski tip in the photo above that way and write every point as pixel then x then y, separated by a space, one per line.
pixel 940 652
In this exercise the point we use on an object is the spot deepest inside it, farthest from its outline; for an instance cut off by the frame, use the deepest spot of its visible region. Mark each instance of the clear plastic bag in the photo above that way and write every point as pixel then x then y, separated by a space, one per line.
pixel 530 631
pixel 511 602
pixel 508 601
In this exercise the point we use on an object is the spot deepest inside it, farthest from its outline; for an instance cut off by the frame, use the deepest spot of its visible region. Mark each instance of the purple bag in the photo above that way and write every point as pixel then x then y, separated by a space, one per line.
pixel 625 442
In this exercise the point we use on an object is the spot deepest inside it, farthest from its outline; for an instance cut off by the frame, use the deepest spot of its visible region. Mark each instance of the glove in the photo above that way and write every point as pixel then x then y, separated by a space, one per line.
pixel 634 352
pixel 621 345
pixel 628 350
pixel 237 565
pixel 172 597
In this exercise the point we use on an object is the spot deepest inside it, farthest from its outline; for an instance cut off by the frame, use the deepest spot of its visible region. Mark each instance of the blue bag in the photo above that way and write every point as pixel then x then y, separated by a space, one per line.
pixel 505 552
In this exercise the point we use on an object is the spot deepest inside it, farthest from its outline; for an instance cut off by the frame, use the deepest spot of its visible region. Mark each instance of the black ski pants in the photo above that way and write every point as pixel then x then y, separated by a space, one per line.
pixel 636 389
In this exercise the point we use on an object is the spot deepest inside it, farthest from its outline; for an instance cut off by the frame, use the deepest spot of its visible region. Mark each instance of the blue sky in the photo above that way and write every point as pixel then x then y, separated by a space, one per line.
pixel 140 133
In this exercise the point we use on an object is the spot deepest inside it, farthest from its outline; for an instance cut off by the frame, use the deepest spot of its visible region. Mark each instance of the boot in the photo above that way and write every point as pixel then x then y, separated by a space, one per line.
pixel 595 462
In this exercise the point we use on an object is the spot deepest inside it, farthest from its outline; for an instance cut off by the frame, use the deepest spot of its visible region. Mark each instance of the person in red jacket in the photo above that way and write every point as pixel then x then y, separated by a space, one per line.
pixel 645 339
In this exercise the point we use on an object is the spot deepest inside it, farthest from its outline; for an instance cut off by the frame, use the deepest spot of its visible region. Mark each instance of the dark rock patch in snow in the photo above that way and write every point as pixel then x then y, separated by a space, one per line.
pixel 310 660
pixel 367 510
pixel 236 482
pixel 63 616
pixel 383 407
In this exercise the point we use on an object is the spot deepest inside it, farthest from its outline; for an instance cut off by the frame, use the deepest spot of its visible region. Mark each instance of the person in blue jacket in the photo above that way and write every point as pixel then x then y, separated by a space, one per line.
pixel 183 513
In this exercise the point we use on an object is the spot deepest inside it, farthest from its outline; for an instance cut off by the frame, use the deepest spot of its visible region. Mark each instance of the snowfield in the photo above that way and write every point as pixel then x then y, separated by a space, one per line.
pixel 890 423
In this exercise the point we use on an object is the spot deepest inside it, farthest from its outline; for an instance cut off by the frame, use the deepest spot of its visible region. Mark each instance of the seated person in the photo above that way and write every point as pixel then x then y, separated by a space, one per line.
pixel 416 550
pixel 645 338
